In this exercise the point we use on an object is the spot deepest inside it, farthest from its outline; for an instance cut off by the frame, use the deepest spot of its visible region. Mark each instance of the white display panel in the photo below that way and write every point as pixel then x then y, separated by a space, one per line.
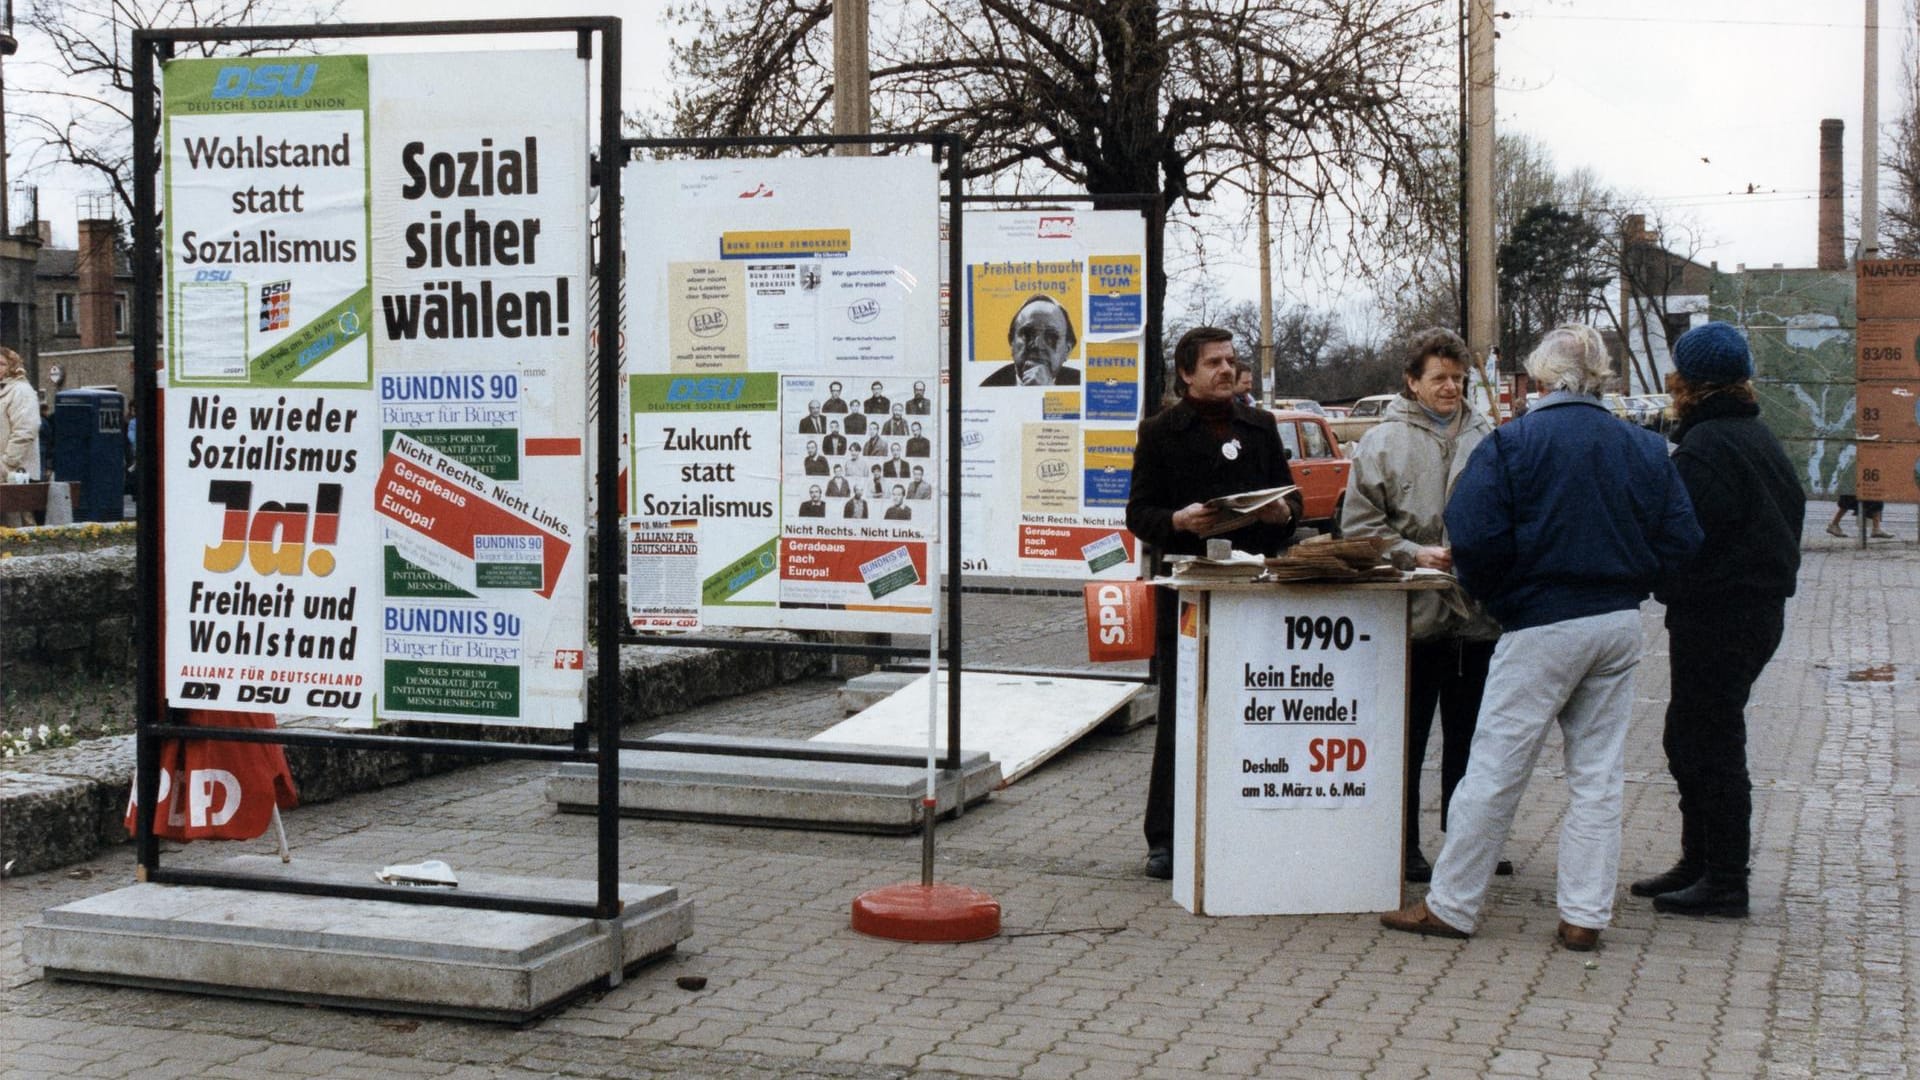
pixel 1292 744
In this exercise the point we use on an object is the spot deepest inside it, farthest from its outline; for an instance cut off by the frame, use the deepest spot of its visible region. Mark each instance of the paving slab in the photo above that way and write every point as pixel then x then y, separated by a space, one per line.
pixel 760 781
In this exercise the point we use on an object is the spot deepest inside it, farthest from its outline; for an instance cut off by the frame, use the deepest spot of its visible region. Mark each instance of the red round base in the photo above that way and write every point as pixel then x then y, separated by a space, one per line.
pixel 926 913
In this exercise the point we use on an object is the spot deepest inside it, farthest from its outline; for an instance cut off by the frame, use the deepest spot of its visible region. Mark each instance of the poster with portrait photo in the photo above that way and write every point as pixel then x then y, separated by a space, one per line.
pixel 1055 324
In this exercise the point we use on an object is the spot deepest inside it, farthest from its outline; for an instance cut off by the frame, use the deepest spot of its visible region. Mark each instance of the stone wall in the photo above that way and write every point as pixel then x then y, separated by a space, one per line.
pixel 66 616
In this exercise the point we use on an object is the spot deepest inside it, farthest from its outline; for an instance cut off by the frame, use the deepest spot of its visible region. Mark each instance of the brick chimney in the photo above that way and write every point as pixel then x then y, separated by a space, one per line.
pixel 94 267
pixel 1833 233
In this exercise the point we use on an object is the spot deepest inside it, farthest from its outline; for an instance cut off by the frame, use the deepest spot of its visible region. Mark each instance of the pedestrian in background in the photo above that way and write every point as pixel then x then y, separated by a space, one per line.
pixel 1404 469
pixel 1562 523
pixel 19 427
pixel 1869 511
pixel 1725 614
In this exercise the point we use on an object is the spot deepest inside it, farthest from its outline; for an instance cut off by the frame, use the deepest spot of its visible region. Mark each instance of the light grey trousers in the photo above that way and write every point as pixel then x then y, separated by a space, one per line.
pixel 1579 673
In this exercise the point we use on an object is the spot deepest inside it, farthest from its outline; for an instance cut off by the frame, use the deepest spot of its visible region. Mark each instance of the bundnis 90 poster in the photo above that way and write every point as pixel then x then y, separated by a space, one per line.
pixel 374 390
pixel 783 345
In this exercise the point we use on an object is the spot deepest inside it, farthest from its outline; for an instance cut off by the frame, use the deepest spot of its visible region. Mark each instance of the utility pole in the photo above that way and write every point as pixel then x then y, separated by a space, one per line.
pixel 1870 139
pixel 1263 375
pixel 1479 272
pixel 852 96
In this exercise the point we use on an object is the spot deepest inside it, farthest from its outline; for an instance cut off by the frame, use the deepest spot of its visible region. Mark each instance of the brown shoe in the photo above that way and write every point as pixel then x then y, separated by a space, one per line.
pixel 1577 938
pixel 1418 920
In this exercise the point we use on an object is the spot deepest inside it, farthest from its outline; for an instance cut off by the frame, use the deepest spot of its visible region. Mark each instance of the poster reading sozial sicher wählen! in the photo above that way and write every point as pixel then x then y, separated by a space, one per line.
pixel 374 389
pixel 783 344
pixel 1055 317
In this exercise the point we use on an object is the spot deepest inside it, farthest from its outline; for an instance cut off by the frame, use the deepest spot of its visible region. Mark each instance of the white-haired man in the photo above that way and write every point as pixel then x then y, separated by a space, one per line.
pixel 1561 524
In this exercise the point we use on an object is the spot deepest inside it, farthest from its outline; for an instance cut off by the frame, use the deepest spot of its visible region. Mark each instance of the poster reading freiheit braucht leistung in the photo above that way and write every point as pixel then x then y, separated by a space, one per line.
pixel 783 344
pixel 1055 317
pixel 374 389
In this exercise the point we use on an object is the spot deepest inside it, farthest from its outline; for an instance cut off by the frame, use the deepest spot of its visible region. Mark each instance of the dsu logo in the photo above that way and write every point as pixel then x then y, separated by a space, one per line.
pixel 264 81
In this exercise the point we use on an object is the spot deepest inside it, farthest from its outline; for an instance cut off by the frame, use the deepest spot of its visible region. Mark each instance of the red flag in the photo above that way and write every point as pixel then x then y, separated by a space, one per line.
pixel 1119 620
pixel 212 789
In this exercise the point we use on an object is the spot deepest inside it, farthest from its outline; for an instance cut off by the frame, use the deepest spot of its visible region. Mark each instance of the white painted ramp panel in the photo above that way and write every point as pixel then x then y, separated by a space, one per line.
pixel 1019 720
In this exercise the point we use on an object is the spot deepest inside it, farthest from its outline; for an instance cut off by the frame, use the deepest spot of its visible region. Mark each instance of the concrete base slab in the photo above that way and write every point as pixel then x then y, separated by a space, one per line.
pixel 750 785
pixel 1140 710
pixel 365 954
pixel 865 691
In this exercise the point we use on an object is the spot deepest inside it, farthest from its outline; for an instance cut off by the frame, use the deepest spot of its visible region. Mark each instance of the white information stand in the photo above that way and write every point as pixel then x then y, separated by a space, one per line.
pixel 1290 747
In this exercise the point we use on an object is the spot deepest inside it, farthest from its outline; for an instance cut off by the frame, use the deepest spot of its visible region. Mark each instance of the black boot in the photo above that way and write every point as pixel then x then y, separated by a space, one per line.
pixel 1691 867
pixel 1684 873
pixel 1713 894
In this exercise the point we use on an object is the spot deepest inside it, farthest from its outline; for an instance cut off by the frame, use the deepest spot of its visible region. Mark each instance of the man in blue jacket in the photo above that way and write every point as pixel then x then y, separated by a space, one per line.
pixel 1562 523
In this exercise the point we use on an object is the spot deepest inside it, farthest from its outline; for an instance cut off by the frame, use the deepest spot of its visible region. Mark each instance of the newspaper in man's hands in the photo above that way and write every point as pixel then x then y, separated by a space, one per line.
pixel 1237 510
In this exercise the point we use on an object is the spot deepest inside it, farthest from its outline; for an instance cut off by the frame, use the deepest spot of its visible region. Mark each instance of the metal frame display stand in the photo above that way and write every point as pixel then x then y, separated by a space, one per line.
pixel 953 149
pixel 153 723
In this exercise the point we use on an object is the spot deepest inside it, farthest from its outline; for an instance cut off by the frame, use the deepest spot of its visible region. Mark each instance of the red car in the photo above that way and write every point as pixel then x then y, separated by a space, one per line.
pixel 1319 468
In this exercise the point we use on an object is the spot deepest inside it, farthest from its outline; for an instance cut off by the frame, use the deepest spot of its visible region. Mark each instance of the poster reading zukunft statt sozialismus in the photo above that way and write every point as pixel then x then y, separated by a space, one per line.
pixel 374 387
pixel 783 347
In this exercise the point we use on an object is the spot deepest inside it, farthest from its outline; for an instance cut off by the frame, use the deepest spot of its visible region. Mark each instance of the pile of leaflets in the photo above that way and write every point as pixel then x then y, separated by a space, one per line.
pixel 1323 558
pixel 1237 566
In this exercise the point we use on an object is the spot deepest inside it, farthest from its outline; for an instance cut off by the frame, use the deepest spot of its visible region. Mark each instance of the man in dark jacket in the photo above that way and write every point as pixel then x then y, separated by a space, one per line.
pixel 1725 614
pixel 1562 522
pixel 1204 446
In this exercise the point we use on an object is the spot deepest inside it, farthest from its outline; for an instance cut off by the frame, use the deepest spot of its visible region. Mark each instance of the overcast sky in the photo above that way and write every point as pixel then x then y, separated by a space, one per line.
pixel 1685 102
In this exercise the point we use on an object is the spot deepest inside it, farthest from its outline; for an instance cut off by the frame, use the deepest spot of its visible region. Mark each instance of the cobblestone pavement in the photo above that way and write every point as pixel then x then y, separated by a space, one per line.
pixel 1098 973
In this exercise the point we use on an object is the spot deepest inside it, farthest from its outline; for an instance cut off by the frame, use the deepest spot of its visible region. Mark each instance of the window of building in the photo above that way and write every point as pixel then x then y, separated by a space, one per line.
pixel 63 312
pixel 1677 323
pixel 119 313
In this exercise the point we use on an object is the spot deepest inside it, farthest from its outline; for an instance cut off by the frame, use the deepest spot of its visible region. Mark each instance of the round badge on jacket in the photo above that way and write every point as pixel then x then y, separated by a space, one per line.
pixel 1230 449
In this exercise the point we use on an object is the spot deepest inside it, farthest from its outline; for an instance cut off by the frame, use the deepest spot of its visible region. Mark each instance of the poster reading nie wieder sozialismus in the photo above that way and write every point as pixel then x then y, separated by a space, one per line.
pixel 374 385
pixel 783 348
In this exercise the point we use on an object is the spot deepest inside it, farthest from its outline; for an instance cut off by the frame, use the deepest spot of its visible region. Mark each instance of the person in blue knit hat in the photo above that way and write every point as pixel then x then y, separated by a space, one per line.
pixel 1725 613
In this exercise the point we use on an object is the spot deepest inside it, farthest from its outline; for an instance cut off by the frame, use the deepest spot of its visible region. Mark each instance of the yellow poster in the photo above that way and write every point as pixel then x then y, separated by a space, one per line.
pixel 707 316
pixel 784 243
pixel 1047 452
pixel 1116 295
pixel 1109 466
pixel 1026 319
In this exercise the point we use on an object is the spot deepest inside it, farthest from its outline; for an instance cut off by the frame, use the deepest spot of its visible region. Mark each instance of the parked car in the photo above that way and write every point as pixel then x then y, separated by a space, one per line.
pixel 1361 418
pixel 1336 412
pixel 1300 404
pixel 1319 467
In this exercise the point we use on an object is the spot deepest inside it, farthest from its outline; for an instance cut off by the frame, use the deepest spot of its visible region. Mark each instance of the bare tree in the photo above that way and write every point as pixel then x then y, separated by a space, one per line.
pixel 1900 216
pixel 80 105
pixel 1340 100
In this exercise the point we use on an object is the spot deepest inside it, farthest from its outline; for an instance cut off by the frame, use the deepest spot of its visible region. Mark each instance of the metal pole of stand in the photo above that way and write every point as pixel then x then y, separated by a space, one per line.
pixel 930 805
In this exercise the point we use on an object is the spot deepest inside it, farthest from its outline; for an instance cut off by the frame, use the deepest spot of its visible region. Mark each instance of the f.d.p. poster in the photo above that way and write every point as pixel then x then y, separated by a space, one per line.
pixel 1055 317
pixel 783 379
pixel 374 385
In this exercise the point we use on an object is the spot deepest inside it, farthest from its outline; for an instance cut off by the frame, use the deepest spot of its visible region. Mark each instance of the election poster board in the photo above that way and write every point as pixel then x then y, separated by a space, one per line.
pixel 1055 323
pixel 374 385
pixel 783 347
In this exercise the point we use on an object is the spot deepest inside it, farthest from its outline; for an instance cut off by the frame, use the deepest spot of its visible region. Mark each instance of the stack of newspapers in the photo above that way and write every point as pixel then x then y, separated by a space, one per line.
pixel 1323 558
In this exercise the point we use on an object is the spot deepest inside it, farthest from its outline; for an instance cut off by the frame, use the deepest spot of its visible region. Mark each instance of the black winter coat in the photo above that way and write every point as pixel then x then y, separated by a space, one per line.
pixel 1749 503
pixel 1177 462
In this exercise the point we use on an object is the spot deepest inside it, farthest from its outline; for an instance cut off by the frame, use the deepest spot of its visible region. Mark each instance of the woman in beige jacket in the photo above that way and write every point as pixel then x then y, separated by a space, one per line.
pixel 1403 471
